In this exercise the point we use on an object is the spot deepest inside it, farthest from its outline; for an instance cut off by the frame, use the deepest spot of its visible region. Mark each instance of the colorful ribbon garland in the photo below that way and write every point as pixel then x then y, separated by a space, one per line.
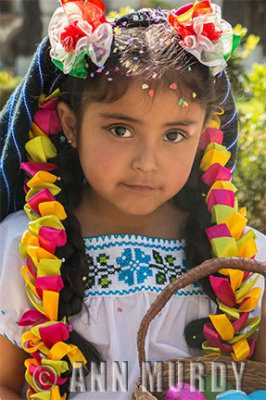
pixel 230 331
pixel 45 341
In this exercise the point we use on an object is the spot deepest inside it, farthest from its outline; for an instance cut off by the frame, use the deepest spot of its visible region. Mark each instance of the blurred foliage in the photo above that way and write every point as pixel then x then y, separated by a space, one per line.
pixel 8 83
pixel 163 4
pixel 236 68
pixel 250 174
pixel 116 14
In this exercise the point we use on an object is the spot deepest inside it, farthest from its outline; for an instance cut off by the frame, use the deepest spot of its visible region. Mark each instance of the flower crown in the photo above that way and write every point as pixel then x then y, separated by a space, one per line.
pixel 78 30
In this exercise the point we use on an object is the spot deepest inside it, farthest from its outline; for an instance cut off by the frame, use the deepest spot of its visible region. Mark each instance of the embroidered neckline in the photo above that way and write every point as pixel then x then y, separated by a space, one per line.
pixel 136 237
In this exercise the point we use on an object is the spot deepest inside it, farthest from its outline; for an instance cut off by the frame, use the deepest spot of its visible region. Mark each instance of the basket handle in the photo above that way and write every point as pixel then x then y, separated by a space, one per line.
pixel 206 268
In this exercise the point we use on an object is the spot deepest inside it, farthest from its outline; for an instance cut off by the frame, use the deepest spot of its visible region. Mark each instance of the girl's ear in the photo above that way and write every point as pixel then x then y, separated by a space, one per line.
pixel 68 122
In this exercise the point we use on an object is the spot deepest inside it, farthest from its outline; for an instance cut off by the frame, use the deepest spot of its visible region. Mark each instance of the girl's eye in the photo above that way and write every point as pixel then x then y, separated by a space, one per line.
pixel 120 131
pixel 174 136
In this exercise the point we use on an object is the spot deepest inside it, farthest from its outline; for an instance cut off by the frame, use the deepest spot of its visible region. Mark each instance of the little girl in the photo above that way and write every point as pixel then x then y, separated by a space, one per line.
pixel 120 129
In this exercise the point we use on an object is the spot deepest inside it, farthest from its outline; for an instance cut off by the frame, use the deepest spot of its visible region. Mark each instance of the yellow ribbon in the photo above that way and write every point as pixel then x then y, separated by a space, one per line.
pixel 38 253
pixel 252 324
pixel 61 349
pixel 252 301
pixel 30 281
pixel 240 350
pixel 243 291
pixel 220 212
pixel 223 326
pixel 50 304
pixel 213 156
pixel 50 221
pixel 35 131
pixel 40 149
pixel 48 267
pixel 53 189
pixel 30 212
pixel 224 247
pixel 52 208
pixel 40 178
pixel 228 310
pixel 28 239
pixel 235 223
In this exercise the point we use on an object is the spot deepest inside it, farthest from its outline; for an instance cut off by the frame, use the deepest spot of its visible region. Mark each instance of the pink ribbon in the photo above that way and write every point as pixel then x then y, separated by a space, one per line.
pixel 223 290
pixel 216 231
pixel 33 167
pixel 41 197
pixel 32 317
pixel 50 238
pixel 216 173
pixel 239 323
pixel 47 119
pixel 210 135
pixel 221 196
pixel 31 267
pixel 50 377
pixel 52 283
pixel 52 334
pixel 251 343
pixel 214 339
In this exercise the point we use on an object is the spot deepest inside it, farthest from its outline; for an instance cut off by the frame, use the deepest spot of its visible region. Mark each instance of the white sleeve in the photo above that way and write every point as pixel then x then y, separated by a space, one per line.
pixel 13 298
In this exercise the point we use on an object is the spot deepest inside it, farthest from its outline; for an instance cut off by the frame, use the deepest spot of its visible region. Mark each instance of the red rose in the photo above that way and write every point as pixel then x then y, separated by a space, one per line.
pixel 70 36
pixel 210 32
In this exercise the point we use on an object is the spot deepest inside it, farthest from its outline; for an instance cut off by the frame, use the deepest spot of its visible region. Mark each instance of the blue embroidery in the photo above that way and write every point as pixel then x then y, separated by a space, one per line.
pixel 140 289
pixel 133 262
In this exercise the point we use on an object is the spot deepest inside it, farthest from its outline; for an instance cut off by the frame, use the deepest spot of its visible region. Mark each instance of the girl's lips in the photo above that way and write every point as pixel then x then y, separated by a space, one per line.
pixel 140 188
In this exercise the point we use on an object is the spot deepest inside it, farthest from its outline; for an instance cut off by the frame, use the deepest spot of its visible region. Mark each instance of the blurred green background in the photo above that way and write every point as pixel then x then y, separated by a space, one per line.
pixel 249 88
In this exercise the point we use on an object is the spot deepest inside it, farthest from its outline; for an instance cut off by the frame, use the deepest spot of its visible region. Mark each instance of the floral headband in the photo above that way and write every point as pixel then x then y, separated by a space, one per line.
pixel 78 30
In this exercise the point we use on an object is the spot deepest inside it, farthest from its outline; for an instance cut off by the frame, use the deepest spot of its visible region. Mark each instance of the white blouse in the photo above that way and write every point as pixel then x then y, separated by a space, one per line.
pixel 126 272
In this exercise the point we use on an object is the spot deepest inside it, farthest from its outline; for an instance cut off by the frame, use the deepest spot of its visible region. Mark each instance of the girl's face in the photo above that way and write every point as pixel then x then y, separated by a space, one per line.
pixel 137 152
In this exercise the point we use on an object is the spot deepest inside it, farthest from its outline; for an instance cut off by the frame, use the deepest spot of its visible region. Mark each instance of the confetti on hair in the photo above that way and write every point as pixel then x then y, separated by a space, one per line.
pixel 110 79
pixel 167 42
pixel 124 23
pixel 141 52
pixel 99 70
pixel 135 58
pixel 180 102
pixel 173 86
pixel 189 69
pixel 116 69
pixel 130 41
pixel 91 74
pixel 185 103
pixel 151 93
pixel 154 75
pixel 115 50
pixel 135 68
pixel 117 31
pixel 194 95
pixel 145 86
pixel 127 64
pixel 107 73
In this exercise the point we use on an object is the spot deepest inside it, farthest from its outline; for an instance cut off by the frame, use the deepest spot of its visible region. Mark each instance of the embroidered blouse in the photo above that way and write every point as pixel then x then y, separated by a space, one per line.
pixel 126 272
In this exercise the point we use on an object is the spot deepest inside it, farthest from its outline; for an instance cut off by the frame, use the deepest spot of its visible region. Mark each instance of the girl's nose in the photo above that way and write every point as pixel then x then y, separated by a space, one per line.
pixel 145 159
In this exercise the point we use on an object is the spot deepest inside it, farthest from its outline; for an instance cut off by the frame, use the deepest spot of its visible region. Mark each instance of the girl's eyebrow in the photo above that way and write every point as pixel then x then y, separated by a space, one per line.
pixel 182 122
pixel 119 116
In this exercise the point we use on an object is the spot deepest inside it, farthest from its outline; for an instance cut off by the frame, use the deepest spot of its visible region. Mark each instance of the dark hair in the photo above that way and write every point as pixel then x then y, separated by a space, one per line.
pixel 150 54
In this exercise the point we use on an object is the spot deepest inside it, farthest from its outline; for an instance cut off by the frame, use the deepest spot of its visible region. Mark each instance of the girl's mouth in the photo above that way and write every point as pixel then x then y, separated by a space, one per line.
pixel 140 188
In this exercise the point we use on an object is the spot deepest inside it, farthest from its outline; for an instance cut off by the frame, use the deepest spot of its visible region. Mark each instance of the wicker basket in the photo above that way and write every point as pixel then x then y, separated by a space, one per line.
pixel 254 377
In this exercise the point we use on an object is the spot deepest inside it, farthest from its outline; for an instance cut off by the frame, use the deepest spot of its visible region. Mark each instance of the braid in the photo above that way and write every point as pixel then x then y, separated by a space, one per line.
pixel 75 267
